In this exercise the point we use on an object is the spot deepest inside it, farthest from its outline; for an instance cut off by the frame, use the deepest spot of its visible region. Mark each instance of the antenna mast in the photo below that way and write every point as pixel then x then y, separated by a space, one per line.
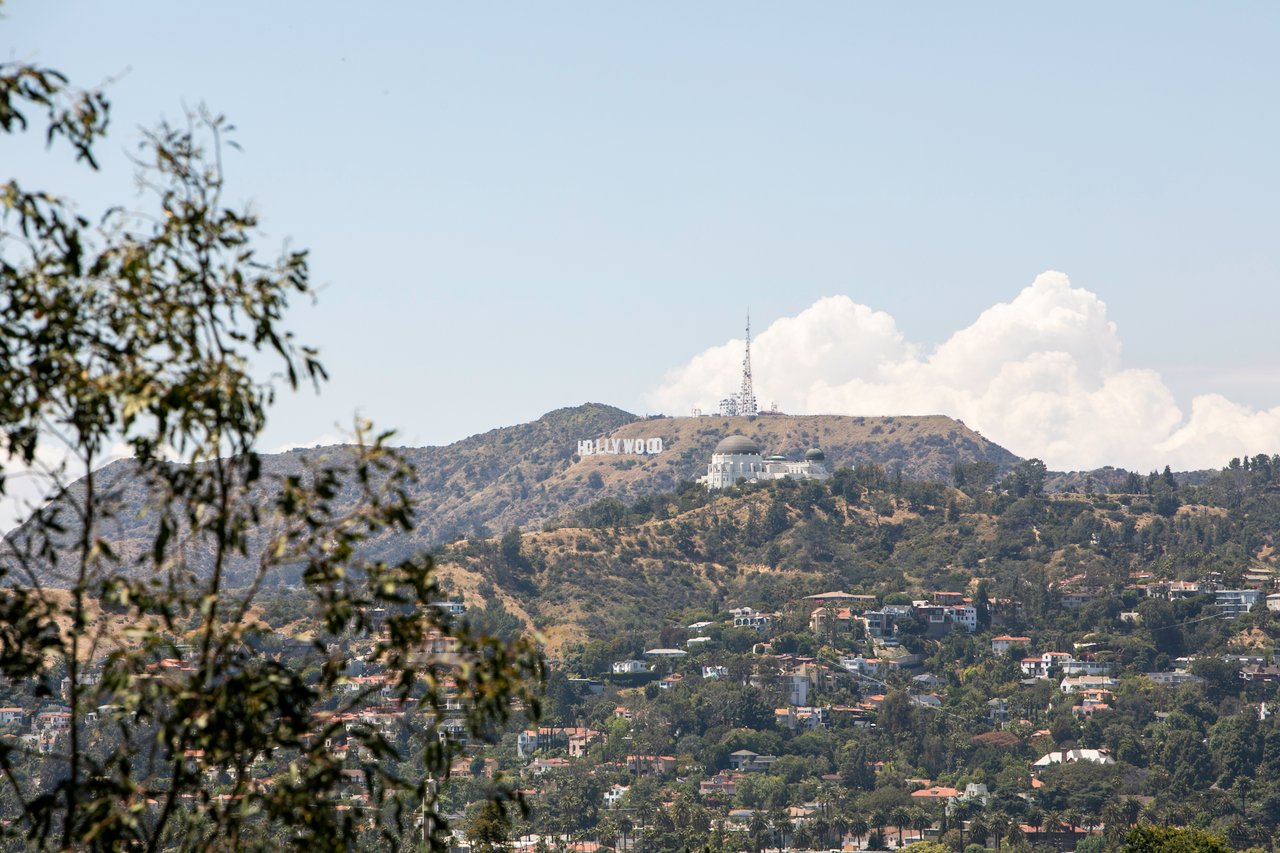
pixel 747 396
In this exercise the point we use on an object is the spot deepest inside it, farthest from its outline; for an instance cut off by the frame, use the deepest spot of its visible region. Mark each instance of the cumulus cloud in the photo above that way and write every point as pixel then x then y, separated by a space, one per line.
pixel 1041 375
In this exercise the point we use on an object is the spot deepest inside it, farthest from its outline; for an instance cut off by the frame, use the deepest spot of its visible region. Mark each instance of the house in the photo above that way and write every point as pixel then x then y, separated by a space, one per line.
pixel 795 687
pixel 1066 756
pixel 651 765
pixel 1038 666
pixel 10 716
pixel 629 667
pixel 936 793
pixel 800 718
pixel 1071 666
pixel 1086 709
pixel 1076 597
pixel 941 618
pixel 1252 673
pixel 720 785
pixel 1236 602
pixel 592 686
pixel 746 761
pixel 665 654
pixel 1000 645
pixel 1174 679
pixel 998 710
pixel 466 768
pixel 53 720
pixel 615 793
pixel 544 765
pixel 880 624
pixel 832 620
pixel 715 672
pixel 449 608
pixel 928 680
pixel 580 742
pixel 672 680
pixel 842 599
pixel 745 617
pixel 1073 684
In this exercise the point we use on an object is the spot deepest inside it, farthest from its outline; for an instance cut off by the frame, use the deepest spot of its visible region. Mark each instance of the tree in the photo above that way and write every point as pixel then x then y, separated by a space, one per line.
pixel 1146 838
pixel 487 827
pixel 154 330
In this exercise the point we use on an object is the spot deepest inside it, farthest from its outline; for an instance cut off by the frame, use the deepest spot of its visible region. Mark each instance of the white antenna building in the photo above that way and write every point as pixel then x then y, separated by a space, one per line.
pixel 743 403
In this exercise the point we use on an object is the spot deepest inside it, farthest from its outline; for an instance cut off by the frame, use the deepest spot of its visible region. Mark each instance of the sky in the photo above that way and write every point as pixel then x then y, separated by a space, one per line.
pixel 1056 222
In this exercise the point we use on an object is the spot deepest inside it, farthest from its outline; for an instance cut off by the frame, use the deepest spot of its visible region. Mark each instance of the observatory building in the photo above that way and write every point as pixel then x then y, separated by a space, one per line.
pixel 738 458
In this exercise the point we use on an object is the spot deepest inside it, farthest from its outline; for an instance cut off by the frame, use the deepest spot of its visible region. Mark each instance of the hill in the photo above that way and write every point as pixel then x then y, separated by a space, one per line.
pixel 530 475
pixel 635 572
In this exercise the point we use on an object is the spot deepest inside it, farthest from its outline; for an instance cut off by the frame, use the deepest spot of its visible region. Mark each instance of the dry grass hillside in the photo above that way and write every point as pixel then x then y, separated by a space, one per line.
pixel 530 474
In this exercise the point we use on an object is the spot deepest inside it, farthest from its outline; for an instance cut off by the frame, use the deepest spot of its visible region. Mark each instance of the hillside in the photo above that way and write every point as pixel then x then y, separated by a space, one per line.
pixel 631 572
pixel 530 474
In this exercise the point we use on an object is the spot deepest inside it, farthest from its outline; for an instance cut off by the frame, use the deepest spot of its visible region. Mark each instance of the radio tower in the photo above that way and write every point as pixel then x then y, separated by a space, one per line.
pixel 746 396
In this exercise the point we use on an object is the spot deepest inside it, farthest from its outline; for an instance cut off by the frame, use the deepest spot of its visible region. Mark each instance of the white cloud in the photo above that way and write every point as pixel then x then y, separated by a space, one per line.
pixel 1041 375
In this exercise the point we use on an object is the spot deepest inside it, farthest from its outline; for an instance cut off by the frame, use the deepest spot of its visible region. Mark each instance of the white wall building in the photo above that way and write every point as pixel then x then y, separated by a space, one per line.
pixel 738 458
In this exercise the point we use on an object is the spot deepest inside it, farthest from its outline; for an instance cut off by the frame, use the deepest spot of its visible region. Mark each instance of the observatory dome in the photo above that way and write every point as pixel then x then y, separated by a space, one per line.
pixel 738 445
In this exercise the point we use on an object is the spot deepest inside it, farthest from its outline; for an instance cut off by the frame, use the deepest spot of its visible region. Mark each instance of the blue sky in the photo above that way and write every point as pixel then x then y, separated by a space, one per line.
pixel 515 207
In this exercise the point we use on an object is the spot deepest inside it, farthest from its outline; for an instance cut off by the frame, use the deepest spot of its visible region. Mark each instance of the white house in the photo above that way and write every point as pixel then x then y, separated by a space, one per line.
pixel 629 667
pixel 1002 644
pixel 1066 756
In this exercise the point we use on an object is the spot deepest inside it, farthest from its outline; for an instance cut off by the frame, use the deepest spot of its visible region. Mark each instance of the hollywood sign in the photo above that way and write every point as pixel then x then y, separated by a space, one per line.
pixel 620 446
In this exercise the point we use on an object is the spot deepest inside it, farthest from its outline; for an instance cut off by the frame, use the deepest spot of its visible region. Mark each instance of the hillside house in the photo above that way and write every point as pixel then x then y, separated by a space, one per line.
pixel 1001 645
pixel 651 765
pixel 746 761
pixel 629 667
pixel 1038 666
pixel 1074 684
pixel 745 617
pixel 721 785
pixel 941 618
pixel 1232 603
pixel 1066 756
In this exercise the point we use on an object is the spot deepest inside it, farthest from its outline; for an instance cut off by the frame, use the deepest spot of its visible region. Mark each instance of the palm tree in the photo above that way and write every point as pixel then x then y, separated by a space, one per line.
pixel 999 827
pixel 1053 825
pixel 607 830
pixel 821 828
pixel 1131 808
pixel 781 825
pixel 1035 817
pixel 1015 835
pixel 921 820
pixel 682 811
pixel 1072 819
pixel 857 824
pixel 878 819
pixel 900 817
pixel 624 826
pixel 978 830
pixel 757 829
